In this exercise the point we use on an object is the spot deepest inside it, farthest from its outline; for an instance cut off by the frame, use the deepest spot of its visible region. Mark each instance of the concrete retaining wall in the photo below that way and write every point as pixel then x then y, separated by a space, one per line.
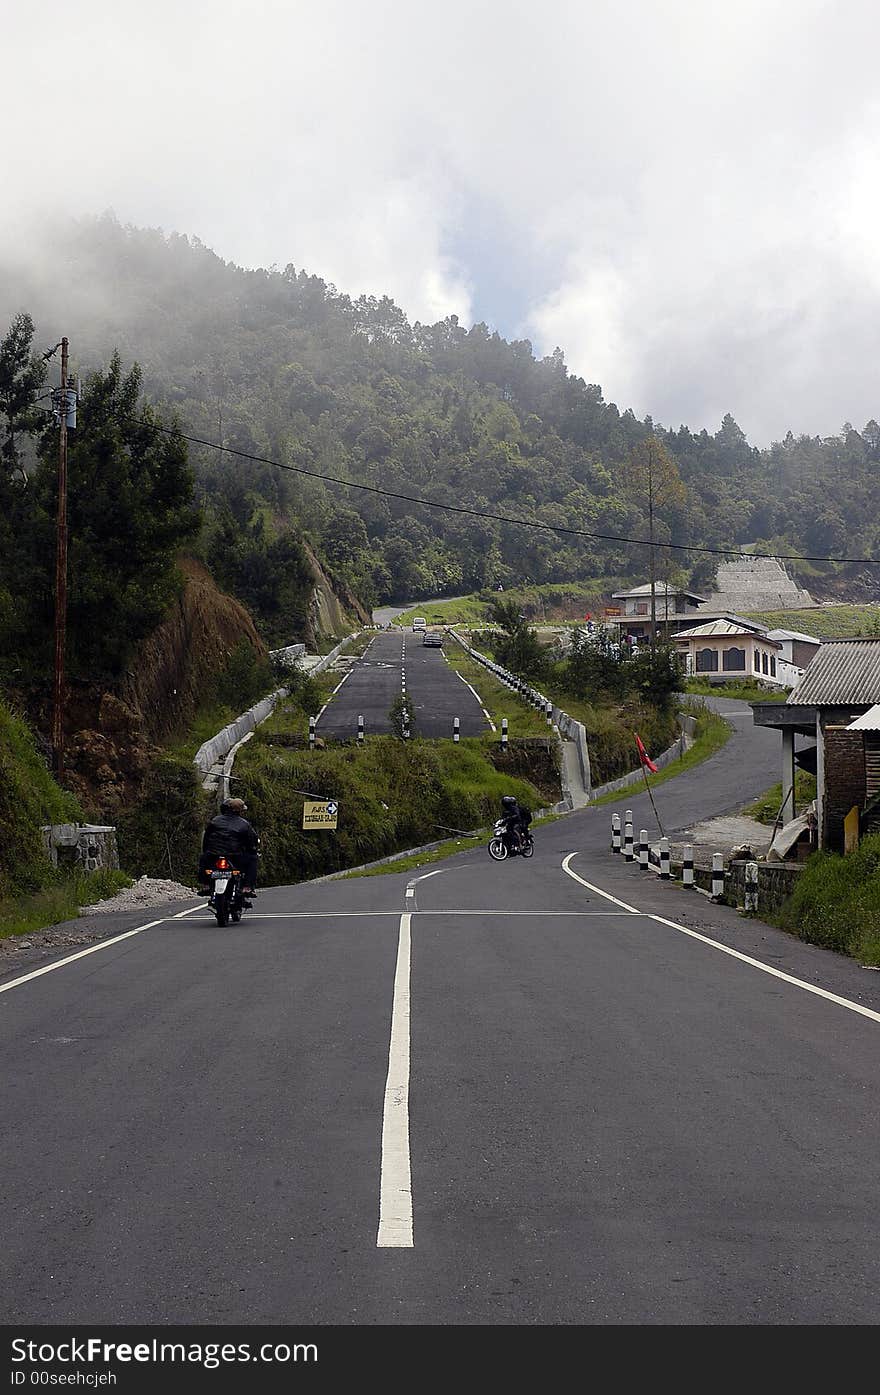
pixel 565 725
pixel 688 726
pixel 290 653
pixel 775 882
pixel 84 847
pixel 758 887
pixel 214 751
pixel 327 660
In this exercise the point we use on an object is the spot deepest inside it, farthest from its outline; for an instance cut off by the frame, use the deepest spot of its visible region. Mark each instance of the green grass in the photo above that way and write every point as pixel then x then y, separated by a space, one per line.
pixel 29 799
pixel 499 701
pixel 767 807
pixel 406 864
pixel 62 901
pixel 712 733
pixel 826 622
pixel 741 689
pixel 562 602
pixel 836 903
pixel 469 610
pixel 359 643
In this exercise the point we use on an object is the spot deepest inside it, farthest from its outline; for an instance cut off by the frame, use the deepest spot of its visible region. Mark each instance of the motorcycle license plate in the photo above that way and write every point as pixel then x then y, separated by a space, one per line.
pixel 220 884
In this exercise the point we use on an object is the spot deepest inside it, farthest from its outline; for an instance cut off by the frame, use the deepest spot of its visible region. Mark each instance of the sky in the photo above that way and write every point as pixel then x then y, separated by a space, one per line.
pixel 682 194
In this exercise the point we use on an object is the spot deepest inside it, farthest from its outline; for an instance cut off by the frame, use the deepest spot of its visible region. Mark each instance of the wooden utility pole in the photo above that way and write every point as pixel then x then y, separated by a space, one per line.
pixel 650 463
pixel 61 575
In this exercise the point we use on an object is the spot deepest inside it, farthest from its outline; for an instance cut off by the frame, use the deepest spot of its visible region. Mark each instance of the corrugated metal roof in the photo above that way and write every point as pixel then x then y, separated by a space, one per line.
pixel 869 721
pixel 723 629
pixel 844 672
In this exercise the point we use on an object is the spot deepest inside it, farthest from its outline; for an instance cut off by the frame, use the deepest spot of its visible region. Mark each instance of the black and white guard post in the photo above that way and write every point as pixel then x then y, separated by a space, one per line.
pixel 687 866
pixel 360 737
pixel 456 728
pixel 717 876
pixel 504 733
pixel 312 721
pixel 643 849
pixel 665 870
pixel 615 833
pixel 628 837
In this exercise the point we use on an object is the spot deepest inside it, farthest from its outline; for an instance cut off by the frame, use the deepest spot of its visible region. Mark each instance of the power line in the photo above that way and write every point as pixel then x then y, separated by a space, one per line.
pixel 488 516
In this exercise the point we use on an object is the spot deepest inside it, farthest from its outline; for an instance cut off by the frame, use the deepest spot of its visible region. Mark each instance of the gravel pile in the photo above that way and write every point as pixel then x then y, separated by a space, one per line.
pixel 146 891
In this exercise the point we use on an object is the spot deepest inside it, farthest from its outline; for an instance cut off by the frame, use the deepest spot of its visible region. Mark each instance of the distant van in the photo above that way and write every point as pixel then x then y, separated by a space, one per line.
pixel 419 622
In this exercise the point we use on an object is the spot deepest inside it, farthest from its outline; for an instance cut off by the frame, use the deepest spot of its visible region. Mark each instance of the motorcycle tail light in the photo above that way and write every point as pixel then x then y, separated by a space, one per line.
pixel 221 862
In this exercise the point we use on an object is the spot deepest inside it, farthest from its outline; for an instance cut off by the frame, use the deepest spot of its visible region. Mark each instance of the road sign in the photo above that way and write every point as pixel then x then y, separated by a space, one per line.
pixel 320 813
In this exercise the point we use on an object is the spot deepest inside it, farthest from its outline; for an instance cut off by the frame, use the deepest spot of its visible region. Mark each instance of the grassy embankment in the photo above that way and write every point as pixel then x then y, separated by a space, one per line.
pixel 551 602
pixel 836 903
pixel 825 622
pixel 32 893
pixel 391 794
pixel 161 835
pixel 468 610
pixel 712 733
pixel 740 690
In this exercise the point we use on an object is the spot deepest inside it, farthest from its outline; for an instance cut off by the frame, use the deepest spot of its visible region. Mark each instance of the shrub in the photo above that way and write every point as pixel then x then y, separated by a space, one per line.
pixel 836 902
pixel 29 798
pixel 161 836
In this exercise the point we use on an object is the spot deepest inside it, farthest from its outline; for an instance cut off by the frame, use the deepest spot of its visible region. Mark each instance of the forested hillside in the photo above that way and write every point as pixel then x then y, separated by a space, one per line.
pixel 279 364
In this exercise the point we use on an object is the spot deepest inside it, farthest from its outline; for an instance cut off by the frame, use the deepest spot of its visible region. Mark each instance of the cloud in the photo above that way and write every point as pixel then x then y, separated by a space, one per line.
pixel 682 196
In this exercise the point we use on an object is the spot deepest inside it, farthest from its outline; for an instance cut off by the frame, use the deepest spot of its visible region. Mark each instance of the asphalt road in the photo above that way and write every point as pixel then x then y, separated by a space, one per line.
pixel 436 693
pixel 557 1091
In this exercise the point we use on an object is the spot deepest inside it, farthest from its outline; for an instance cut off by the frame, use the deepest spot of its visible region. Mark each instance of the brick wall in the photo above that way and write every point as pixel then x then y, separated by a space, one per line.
pixel 844 780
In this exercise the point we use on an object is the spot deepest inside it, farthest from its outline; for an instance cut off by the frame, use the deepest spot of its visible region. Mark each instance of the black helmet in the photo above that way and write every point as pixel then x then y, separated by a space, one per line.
pixel 508 802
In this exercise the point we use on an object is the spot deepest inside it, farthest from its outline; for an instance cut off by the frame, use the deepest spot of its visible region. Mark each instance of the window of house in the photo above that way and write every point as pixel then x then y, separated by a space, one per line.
pixel 707 661
pixel 641 607
pixel 765 667
pixel 734 659
pixel 757 662
pixel 772 665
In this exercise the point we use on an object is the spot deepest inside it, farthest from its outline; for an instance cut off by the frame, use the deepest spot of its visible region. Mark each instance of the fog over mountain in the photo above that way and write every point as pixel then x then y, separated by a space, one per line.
pixel 682 196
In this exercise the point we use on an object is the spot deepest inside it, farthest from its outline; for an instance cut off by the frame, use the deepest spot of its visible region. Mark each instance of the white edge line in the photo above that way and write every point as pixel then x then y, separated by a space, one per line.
pixel 598 890
pixel 93 949
pixel 768 969
pixel 426 875
pixel 333 694
pixel 734 953
pixel 395 1185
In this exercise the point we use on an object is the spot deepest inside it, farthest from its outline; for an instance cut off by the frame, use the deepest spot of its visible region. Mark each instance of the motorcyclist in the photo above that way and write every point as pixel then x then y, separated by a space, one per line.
pixel 231 835
pixel 516 819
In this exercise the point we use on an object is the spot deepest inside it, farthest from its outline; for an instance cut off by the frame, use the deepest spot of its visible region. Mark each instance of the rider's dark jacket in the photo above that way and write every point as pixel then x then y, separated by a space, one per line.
pixel 230 834
pixel 517 821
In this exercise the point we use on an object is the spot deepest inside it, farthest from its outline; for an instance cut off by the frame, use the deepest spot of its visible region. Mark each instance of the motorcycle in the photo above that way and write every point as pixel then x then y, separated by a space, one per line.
pixel 226 898
pixel 502 844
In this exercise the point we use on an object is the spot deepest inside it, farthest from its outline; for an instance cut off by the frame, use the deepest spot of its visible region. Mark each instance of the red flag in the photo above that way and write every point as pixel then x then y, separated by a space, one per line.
pixel 643 754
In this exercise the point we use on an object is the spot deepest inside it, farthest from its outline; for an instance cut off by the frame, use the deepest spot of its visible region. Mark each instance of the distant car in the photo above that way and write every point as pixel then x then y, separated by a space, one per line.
pixel 432 639
pixel 419 622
